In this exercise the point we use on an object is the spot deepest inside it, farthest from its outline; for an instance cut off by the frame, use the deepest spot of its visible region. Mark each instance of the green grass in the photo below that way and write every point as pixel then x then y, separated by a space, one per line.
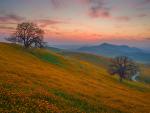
pixel 47 56
pixel 82 104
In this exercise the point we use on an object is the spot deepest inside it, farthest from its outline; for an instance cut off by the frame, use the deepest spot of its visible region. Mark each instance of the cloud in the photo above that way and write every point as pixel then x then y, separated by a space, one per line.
pixel 99 13
pixel 142 3
pixel 11 18
pixel 47 22
pixel 141 15
pixel 55 3
pixel 146 1
pixel 6 27
pixel 8 22
pixel 148 38
pixel 97 8
pixel 123 18
pixel 50 21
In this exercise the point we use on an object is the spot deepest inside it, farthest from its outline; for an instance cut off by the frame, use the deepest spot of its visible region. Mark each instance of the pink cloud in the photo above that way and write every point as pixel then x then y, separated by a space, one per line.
pixel 146 1
pixel 99 13
pixel 8 22
pixel 123 18
pixel 47 22
pixel 97 8
pixel 11 18
pixel 141 4
pixel 147 38
pixel 6 28
pixel 142 15
pixel 56 3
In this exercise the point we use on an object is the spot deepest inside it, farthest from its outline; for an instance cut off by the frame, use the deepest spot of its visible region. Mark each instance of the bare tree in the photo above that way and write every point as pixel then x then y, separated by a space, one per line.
pixel 123 67
pixel 28 34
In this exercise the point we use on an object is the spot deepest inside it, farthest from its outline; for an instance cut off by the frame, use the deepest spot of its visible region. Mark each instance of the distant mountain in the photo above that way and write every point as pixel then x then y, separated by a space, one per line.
pixel 54 49
pixel 111 50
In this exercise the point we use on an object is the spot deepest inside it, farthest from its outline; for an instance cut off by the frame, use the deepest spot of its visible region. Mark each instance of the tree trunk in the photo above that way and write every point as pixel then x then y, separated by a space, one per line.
pixel 26 44
pixel 121 79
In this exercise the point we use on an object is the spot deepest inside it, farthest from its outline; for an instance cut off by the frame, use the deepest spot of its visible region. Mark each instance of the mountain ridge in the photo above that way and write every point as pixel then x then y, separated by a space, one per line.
pixel 111 50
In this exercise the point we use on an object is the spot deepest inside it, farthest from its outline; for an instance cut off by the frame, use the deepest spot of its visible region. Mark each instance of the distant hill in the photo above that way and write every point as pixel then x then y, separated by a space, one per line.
pixel 111 50
pixel 54 49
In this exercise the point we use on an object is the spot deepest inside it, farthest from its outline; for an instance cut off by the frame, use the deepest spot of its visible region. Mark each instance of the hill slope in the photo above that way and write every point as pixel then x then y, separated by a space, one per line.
pixel 40 80
pixel 104 62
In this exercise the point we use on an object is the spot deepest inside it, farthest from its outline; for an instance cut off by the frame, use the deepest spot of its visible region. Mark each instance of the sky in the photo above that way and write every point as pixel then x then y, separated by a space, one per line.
pixel 81 21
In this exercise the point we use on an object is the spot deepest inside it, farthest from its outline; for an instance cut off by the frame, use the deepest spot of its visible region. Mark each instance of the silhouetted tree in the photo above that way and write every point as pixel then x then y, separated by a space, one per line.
pixel 29 35
pixel 123 66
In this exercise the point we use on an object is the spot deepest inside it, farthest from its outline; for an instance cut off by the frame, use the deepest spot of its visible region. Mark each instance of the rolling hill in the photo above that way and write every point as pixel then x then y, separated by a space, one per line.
pixel 41 80
pixel 111 50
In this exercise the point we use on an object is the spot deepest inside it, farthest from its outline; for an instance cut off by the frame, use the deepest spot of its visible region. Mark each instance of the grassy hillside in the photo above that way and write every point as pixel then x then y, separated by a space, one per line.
pixel 145 70
pixel 93 59
pixel 39 80
pixel 105 62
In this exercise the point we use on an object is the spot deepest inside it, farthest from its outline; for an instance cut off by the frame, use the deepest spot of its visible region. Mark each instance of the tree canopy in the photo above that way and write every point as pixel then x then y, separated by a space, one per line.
pixel 29 35
pixel 123 66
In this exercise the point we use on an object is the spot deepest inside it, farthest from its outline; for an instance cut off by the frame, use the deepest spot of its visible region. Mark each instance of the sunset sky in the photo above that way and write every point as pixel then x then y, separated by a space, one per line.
pixel 81 21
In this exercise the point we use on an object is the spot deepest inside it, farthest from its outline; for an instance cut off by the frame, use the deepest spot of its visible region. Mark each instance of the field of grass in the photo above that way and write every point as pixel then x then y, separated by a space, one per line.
pixel 93 59
pixel 39 80
pixel 145 70
pixel 102 61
